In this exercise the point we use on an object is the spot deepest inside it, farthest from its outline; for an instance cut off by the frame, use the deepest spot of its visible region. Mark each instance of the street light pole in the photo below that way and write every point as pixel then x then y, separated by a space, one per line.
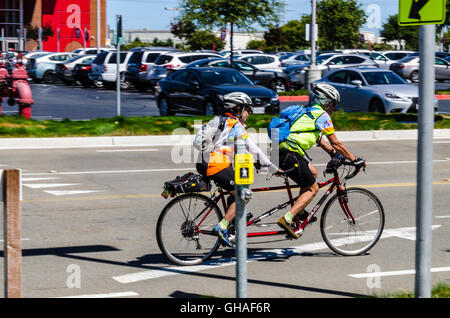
pixel 98 26
pixel 312 73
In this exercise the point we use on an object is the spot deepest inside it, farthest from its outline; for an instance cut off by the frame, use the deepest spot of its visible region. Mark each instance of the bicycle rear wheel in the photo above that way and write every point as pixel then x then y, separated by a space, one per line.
pixel 184 229
pixel 345 236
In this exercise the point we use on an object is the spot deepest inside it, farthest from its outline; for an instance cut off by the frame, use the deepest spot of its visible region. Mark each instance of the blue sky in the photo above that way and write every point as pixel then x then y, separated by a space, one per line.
pixel 151 14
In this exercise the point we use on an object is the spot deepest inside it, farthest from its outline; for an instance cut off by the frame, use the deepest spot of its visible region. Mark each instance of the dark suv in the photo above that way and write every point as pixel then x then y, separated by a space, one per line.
pixel 139 63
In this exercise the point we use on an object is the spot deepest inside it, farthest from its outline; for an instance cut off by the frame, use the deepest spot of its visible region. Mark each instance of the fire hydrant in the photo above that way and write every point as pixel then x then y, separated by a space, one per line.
pixel 15 87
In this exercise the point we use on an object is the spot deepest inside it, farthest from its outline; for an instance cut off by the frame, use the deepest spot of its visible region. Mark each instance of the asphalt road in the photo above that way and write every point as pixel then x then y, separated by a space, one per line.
pixel 89 218
pixel 76 103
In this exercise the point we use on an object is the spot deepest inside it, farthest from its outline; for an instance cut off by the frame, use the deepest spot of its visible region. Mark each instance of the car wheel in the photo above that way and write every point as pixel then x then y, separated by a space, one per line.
pixel 164 107
pixel 210 108
pixel 49 77
pixel 414 77
pixel 278 85
pixel 376 105
pixel 86 84
pixel 98 84
pixel 124 84
pixel 141 87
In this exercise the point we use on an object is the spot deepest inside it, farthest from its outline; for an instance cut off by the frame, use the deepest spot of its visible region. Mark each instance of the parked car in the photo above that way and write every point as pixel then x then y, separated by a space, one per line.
pixel 199 90
pixel 436 54
pixel 408 68
pixel 236 53
pixel 80 73
pixel 382 60
pixel 396 55
pixel 104 68
pixel 64 70
pixel 42 68
pixel 276 81
pixel 139 63
pixel 33 54
pixel 90 51
pixel 263 61
pixel 374 90
pixel 169 62
pixel 295 59
pixel 327 63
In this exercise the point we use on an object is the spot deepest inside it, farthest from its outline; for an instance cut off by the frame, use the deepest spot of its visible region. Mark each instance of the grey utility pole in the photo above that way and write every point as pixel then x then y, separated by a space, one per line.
pixel 242 195
pixel 312 73
pixel 424 201
pixel 118 36
pixel 98 26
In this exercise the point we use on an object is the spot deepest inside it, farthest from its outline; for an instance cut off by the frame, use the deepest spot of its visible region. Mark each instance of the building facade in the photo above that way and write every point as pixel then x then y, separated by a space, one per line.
pixel 51 25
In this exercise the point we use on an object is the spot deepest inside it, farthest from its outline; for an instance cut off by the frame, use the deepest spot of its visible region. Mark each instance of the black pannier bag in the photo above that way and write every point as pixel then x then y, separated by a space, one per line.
pixel 190 182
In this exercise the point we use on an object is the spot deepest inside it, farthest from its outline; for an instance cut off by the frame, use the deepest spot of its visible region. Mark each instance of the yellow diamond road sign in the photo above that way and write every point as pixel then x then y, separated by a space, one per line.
pixel 418 12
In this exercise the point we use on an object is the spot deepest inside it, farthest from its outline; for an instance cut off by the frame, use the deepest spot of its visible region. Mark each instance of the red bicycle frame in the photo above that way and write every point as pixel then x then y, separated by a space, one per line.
pixel 335 184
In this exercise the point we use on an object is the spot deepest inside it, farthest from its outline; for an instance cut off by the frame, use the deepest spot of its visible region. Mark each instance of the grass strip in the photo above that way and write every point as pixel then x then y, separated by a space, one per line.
pixel 441 290
pixel 16 126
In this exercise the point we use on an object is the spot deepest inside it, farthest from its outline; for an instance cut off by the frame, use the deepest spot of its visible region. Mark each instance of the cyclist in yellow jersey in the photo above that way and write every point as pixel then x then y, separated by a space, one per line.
pixel 217 164
pixel 307 131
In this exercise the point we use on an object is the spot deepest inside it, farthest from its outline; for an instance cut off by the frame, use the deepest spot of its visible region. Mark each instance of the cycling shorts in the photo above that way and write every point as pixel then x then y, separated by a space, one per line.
pixel 224 178
pixel 302 175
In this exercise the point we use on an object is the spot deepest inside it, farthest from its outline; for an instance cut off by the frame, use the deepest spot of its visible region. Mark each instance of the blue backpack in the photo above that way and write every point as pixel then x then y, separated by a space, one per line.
pixel 282 125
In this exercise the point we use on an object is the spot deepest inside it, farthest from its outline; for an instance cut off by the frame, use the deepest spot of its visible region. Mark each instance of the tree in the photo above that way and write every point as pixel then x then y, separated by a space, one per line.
pixel 339 23
pixel 391 31
pixel 294 33
pixel 205 40
pixel 242 14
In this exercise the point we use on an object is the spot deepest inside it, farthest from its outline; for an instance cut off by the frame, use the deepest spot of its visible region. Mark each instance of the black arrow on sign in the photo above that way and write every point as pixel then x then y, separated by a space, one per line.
pixel 416 6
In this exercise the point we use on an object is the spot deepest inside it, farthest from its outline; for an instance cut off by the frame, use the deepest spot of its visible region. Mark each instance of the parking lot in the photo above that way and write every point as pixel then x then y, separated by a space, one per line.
pixel 59 101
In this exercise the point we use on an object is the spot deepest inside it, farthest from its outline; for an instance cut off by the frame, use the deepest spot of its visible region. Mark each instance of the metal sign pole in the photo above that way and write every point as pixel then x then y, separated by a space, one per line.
pixel 118 36
pixel 424 203
pixel 243 177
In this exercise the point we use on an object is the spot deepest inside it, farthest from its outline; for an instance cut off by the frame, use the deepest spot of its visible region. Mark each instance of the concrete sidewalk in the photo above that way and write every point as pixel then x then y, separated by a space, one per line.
pixel 182 140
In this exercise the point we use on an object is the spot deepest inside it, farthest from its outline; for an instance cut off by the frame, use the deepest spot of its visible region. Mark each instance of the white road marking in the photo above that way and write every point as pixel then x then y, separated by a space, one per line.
pixel 397 273
pixel 24 239
pixel 48 185
pixel 37 179
pixel 405 232
pixel 70 192
pixel 441 142
pixel 194 169
pixel 127 150
pixel 110 171
pixel 442 217
pixel 110 295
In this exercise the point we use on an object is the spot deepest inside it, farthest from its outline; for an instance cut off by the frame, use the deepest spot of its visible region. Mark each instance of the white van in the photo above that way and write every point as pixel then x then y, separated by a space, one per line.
pixel 104 68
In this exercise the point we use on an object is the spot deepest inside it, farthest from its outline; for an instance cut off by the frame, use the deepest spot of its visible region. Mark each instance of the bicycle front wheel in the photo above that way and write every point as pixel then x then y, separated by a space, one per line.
pixel 184 229
pixel 357 233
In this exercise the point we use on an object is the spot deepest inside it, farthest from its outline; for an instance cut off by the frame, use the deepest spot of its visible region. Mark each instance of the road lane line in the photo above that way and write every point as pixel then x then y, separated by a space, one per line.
pixel 127 150
pixel 397 273
pixel 70 192
pixel 110 295
pixel 48 185
pixel 258 255
pixel 106 171
pixel 194 169
pixel 158 195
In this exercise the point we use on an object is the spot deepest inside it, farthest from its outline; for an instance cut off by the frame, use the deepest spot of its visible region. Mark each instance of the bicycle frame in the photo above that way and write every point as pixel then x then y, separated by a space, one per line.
pixel 335 184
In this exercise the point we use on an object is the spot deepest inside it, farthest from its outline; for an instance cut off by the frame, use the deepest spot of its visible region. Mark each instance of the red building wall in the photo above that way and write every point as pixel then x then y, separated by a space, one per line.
pixel 72 17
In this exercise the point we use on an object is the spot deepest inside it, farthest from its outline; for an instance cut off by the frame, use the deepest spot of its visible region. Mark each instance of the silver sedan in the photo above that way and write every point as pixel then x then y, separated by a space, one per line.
pixel 374 90
pixel 408 68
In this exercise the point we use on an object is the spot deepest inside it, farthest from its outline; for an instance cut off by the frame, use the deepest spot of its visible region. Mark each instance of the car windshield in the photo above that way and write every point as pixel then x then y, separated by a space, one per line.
pixel 224 77
pixel 382 78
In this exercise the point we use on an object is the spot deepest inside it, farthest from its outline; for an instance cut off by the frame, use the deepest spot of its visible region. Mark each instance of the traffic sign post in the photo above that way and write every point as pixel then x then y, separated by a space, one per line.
pixel 243 165
pixel 425 13
pixel 420 12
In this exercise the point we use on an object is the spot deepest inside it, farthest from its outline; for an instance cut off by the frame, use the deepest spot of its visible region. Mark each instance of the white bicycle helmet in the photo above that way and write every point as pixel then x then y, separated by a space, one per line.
pixel 323 93
pixel 235 99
